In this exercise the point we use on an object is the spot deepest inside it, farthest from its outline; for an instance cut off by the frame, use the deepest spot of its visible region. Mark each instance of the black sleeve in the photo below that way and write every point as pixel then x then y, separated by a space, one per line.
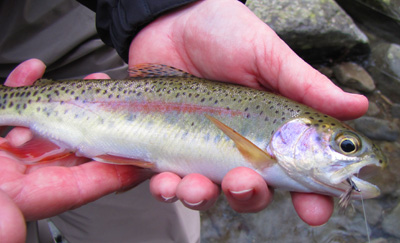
pixel 118 21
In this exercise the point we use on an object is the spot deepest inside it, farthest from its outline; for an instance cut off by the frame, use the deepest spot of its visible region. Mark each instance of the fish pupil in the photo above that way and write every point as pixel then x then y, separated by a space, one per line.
pixel 347 146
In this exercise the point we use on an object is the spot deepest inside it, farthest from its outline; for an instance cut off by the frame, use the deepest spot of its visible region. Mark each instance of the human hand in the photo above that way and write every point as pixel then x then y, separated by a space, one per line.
pixel 223 40
pixel 35 192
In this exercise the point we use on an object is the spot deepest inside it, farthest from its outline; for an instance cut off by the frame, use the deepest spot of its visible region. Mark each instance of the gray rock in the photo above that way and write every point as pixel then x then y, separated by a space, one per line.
pixel 315 29
pixel 381 17
pixel 391 223
pixel 385 69
pixel 377 129
pixel 373 109
pixel 396 110
pixel 354 76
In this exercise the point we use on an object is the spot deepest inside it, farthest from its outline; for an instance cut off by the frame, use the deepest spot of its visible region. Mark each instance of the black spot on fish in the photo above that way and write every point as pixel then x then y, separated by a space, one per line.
pixel 11 104
pixel 98 91
pixel 266 118
pixel 76 97
pixel 202 100
pixel 274 121
pixel 248 115
pixel 320 120
pixel 38 109
pixel 283 118
pixel 139 94
pixel 24 106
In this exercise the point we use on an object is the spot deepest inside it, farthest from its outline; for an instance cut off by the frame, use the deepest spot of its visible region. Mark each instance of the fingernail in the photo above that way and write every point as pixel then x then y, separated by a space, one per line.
pixel 193 204
pixel 243 195
pixel 168 199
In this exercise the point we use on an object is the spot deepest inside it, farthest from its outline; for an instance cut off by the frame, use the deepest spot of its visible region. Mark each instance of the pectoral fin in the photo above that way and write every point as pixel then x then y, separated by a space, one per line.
pixel 38 150
pixel 253 154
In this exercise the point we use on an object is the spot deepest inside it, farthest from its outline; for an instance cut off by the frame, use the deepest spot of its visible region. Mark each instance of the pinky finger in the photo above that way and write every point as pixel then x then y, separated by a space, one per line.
pixel 12 223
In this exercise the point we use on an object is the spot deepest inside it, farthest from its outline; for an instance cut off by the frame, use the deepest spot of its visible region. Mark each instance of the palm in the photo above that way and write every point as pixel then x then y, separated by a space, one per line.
pixel 224 41
pixel 42 191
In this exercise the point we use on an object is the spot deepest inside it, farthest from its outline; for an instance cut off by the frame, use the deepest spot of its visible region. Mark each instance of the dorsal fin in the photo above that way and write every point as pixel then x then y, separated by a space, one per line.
pixel 151 70
pixel 253 154
pixel 43 81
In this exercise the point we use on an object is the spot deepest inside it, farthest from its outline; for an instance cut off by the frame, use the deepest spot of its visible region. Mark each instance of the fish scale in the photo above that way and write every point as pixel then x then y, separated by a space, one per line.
pixel 172 121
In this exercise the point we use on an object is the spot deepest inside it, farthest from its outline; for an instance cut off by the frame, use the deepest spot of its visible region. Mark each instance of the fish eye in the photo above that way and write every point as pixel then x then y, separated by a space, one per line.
pixel 348 143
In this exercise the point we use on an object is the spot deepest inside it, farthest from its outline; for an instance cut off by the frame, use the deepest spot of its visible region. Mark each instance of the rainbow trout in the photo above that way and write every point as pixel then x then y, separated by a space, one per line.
pixel 168 120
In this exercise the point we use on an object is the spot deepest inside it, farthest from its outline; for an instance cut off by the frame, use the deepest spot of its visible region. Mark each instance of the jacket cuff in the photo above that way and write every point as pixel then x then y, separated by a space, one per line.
pixel 119 21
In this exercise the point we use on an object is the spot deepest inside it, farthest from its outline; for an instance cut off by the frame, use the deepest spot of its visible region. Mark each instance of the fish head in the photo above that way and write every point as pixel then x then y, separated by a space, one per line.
pixel 327 157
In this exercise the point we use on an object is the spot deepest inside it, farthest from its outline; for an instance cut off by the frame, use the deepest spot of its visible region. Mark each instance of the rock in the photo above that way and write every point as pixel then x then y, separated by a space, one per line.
pixel 385 69
pixel 379 240
pixel 328 72
pixel 316 29
pixel 376 128
pixel 391 223
pixel 373 210
pixel 354 76
pixel 396 110
pixel 373 109
pixel 381 17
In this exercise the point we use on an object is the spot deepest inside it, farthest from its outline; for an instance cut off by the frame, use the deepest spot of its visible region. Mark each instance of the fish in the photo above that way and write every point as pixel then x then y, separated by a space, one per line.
pixel 165 119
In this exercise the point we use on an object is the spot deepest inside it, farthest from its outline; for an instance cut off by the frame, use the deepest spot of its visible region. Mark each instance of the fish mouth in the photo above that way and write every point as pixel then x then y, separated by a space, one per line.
pixel 353 185
pixel 361 189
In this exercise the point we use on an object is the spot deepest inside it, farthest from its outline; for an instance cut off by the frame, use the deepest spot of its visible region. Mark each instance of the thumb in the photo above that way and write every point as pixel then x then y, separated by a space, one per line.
pixel 26 73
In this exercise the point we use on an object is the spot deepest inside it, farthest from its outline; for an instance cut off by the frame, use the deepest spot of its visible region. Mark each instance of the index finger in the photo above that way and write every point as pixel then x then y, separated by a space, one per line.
pixel 294 78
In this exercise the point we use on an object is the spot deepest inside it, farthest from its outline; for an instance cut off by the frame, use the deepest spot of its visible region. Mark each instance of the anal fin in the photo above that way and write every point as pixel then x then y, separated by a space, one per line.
pixel 253 154
pixel 112 159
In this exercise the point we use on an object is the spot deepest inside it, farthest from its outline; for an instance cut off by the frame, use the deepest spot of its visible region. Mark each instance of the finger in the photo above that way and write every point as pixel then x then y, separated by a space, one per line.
pixel 12 223
pixel 246 191
pixel 19 136
pixel 163 186
pixel 51 190
pixel 313 209
pixel 294 78
pixel 97 76
pixel 26 73
pixel 197 192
